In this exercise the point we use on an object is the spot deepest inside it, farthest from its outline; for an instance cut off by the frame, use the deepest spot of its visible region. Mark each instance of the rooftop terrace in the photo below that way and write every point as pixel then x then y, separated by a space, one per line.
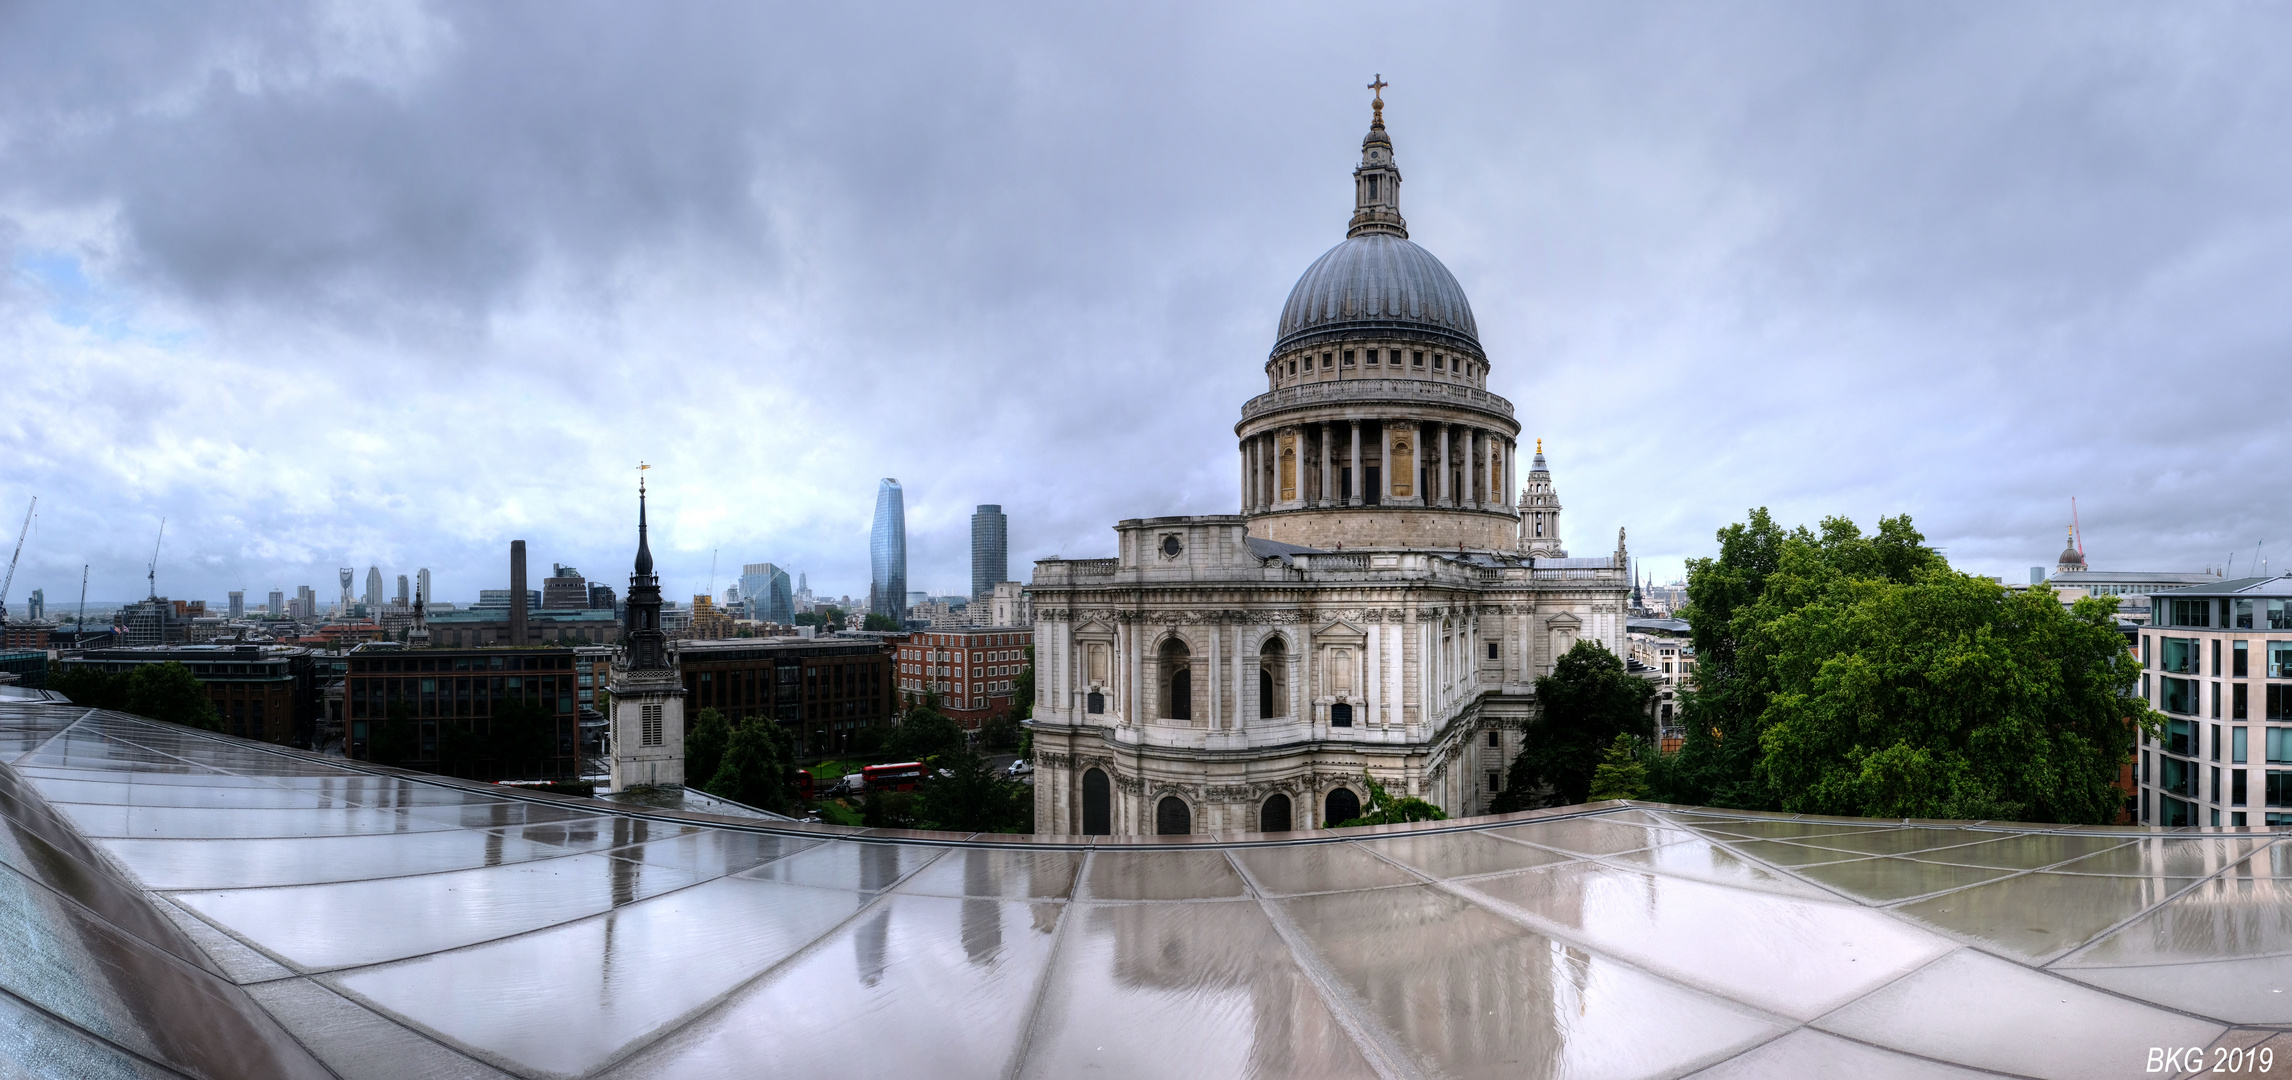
pixel 179 903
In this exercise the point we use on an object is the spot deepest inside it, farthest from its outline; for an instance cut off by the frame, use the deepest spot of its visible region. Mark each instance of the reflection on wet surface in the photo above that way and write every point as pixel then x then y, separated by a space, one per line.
pixel 177 903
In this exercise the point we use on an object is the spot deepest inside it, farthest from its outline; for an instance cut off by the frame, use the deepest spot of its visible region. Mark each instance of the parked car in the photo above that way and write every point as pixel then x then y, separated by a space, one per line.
pixel 1019 768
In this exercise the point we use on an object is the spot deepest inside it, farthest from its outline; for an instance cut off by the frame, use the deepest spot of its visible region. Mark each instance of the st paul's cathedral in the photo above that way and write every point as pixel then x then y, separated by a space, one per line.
pixel 1381 606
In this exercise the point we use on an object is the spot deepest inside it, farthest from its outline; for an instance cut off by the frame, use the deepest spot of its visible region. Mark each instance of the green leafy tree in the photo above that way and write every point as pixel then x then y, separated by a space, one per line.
pixel 1384 809
pixel 1000 731
pixel 704 748
pixel 1845 674
pixel 890 810
pixel 885 623
pixel 1621 774
pixel 90 687
pixel 170 692
pixel 758 766
pixel 925 733
pixel 1023 689
pixel 971 798
pixel 1588 701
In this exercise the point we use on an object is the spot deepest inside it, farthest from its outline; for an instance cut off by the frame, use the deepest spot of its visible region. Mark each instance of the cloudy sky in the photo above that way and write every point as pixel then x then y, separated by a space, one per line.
pixel 394 284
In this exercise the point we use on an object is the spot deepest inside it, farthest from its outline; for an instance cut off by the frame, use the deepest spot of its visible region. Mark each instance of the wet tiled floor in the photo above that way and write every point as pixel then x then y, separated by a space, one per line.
pixel 179 904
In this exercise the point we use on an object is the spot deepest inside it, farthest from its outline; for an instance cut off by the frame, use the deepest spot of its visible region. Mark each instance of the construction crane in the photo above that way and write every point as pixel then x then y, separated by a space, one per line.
pixel 11 578
pixel 151 574
pixel 80 626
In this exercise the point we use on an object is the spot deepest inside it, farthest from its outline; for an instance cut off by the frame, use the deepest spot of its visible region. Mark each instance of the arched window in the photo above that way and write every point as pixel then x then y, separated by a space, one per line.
pixel 1274 815
pixel 1096 702
pixel 1273 678
pixel 1341 806
pixel 1171 818
pixel 1095 799
pixel 1341 715
pixel 1177 680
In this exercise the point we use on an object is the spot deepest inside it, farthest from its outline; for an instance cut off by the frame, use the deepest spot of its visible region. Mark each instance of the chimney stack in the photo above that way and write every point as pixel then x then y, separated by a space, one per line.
pixel 517 593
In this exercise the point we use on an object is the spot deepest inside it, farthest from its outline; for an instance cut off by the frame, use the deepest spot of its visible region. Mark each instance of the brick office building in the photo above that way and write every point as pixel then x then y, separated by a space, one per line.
pixel 825 690
pixel 972 669
pixel 270 694
pixel 441 688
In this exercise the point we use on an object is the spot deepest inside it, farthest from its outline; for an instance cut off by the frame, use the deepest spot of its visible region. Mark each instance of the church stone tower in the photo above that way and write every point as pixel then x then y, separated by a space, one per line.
pixel 648 698
pixel 1540 511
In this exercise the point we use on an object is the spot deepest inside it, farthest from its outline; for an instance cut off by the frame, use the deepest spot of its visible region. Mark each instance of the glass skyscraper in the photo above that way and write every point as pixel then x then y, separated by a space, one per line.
pixel 887 553
pixel 765 589
pixel 990 550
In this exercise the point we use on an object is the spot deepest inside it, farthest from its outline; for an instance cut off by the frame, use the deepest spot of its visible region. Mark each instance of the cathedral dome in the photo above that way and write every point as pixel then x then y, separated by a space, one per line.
pixel 1377 281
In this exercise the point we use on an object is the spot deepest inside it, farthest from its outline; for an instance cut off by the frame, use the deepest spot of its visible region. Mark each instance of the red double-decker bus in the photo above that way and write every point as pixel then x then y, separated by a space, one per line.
pixel 903 776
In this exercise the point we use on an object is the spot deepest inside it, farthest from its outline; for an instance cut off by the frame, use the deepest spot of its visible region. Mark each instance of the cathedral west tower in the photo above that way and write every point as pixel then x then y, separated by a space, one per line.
pixel 1375 608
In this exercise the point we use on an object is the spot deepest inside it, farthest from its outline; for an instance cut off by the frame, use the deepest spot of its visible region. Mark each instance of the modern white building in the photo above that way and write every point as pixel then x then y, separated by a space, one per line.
pixel 2218 662
pixel 1377 608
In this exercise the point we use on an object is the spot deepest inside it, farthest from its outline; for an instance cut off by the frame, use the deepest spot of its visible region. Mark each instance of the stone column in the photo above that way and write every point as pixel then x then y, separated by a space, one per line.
pixel 1471 491
pixel 1249 468
pixel 1444 465
pixel 1353 492
pixel 1384 462
pixel 1328 469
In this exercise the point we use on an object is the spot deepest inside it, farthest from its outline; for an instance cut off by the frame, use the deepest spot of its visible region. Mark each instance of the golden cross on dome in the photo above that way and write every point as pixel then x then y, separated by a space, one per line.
pixel 1378 103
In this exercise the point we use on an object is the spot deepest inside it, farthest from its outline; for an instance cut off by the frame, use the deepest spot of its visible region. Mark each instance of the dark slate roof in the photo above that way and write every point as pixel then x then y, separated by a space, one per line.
pixel 1377 280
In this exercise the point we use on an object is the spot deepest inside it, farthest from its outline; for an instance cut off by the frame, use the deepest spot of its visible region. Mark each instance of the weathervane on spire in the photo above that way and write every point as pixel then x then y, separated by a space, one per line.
pixel 1377 103
pixel 641 467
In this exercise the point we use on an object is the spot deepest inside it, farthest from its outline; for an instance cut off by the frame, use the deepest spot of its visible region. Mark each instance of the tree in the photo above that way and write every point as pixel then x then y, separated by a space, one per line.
pixel 1000 731
pixel 971 798
pixel 1384 809
pixel 1023 689
pixel 170 692
pixel 1589 700
pixel 91 687
pixel 704 748
pixel 925 733
pixel 1844 674
pixel 757 766
pixel 885 623
pixel 1620 775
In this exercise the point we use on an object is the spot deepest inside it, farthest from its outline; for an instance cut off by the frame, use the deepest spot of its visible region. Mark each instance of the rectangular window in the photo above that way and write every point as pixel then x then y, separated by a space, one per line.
pixel 1492 650
pixel 2144 650
pixel 2280 659
pixel 651 733
pixel 2181 656
pixel 1440 363
pixel 2216 702
pixel 2216 658
pixel 2244 614
pixel 2180 737
pixel 2274 749
pixel 2215 790
pixel 2274 793
pixel 2237 666
pixel 2276 703
pixel 2173 812
pixel 1495 781
pixel 2190 612
pixel 2216 742
pixel 2179 696
pixel 2237 745
pixel 2280 614
pixel 1419 359
pixel 2236 820
pixel 1372 358
pixel 2236 788
pixel 1492 738
pixel 1348 358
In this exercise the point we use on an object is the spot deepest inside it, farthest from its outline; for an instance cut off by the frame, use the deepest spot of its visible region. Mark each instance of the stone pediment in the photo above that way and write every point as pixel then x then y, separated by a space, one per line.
pixel 1341 631
pixel 1563 620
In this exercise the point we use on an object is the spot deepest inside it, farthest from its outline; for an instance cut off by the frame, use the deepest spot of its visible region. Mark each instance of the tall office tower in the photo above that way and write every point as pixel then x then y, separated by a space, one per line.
pixel 306 602
pixel 36 607
pixel 887 553
pixel 238 605
pixel 343 611
pixel 990 550
pixel 768 593
pixel 517 596
pixel 403 599
pixel 277 604
pixel 373 589
pixel 601 597
pixel 422 587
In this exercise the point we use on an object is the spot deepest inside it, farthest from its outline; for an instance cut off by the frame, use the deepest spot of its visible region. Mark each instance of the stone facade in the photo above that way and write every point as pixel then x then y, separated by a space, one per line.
pixel 1377 608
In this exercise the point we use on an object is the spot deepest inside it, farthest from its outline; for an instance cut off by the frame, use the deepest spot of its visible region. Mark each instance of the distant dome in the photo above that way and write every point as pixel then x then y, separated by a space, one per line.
pixel 1377 280
pixel 2072 557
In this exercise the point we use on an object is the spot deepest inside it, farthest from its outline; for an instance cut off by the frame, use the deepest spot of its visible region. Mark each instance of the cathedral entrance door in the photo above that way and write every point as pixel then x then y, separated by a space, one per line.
pixel 1095 815
pixel 1172 818
pixel 1341 806
pixel 1274 816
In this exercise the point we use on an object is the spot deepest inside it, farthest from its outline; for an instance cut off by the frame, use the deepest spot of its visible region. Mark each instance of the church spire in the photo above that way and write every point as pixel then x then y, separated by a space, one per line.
pixel 1377 182
pixel 644 550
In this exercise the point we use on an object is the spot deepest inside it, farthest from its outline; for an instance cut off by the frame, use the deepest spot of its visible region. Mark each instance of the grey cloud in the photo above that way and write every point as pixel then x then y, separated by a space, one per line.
pixel 1957 260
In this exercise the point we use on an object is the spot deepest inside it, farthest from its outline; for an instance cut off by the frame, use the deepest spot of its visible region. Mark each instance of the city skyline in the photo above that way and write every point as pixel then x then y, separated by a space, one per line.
pixel 1827 261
